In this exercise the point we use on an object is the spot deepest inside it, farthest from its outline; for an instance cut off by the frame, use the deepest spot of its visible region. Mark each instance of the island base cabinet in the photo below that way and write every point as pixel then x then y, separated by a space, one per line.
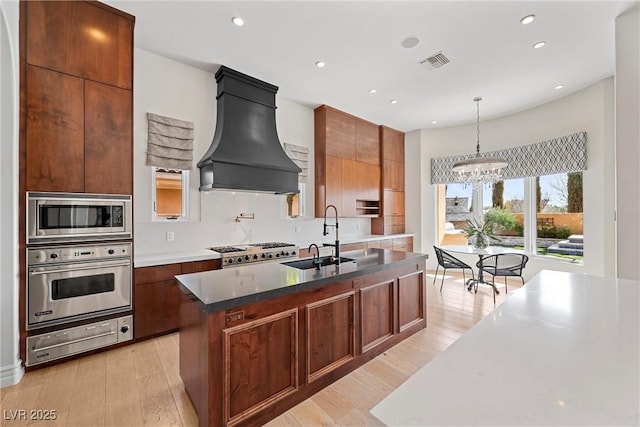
pixel 246 365
pixel 260 364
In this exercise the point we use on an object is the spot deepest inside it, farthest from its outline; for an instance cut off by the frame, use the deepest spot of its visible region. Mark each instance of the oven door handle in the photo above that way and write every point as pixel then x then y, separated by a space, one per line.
pixel 106 334
pixel 93 267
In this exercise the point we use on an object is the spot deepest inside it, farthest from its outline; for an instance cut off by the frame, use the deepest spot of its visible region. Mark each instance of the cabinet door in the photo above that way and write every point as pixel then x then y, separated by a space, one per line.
pixel 54 131
pixel 81 39
pixel 368 181
pixel 333 187
pixel 348 191
pixel 259 363
pixel 340 134
pixel 411 300
pixel 367 142
pixel 376 314
pixel 392 144
pixel 330 334
pixel 393 202
pixel 108 139
pixel 150 314
pixel 393 176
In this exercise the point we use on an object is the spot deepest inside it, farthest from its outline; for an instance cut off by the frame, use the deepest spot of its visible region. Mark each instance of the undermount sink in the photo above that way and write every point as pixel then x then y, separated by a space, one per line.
pixel 305 264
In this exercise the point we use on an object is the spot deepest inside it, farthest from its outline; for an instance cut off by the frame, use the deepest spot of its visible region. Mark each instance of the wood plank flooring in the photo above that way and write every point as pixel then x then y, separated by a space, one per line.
pixel 140 385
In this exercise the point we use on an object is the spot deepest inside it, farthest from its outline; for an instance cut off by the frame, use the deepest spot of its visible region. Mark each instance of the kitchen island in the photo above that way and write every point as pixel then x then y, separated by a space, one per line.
pixel 257 340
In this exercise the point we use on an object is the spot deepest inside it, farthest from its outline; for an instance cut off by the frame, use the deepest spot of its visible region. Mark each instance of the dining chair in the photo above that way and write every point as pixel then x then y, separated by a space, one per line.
pixel 505 265
pixel 448 261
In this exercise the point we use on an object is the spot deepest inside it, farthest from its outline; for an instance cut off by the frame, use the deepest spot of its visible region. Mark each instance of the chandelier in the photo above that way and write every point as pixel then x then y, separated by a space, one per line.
pixel 479 169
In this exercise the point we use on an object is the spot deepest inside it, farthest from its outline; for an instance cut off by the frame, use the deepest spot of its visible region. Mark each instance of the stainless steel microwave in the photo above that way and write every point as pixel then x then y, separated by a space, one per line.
pixel 73 217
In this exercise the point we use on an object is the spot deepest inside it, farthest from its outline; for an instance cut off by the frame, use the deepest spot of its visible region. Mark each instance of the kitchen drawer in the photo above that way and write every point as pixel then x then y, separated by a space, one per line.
pixel 156 273
pixel 403 244
pixel 352 246
pixel 198 266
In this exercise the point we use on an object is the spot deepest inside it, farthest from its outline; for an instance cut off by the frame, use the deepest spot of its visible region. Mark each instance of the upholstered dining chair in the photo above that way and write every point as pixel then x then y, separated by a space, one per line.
pixel 448 261
pixel 505 265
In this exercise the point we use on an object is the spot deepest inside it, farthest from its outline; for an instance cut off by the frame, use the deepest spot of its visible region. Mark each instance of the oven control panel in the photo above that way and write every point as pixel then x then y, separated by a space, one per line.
pixel 61 254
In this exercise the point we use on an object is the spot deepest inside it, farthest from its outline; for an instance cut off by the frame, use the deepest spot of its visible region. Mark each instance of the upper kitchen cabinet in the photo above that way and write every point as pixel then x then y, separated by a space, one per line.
pixel 392 152
pixel 84 39
pixel 347 164
pixel 54 131
pixel 76 98
pixel 108 135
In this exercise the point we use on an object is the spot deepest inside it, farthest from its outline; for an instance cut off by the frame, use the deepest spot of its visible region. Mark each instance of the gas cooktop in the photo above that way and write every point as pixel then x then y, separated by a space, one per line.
pixel 236 255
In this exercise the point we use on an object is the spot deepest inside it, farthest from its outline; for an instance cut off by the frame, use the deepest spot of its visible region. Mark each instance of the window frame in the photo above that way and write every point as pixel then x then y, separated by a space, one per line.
pixel 184 193
pixel 529 221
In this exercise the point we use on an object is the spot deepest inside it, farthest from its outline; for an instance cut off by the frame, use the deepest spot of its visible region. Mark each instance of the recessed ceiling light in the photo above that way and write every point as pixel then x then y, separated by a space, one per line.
pixel 320 64
pixel 237 21
pixel 527 19
pixel 434 122
pixel 539 44
pixel 410 42
pixel 372 90
pixel 394 101
pixel 558 87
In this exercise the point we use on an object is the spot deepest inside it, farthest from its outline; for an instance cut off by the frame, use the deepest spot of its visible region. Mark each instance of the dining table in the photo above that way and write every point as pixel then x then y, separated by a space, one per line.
pixel 481 253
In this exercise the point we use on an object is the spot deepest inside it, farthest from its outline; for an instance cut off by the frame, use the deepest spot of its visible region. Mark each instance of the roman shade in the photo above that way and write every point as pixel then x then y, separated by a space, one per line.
pixel 300 156
pixel 169 142
pixel 558 155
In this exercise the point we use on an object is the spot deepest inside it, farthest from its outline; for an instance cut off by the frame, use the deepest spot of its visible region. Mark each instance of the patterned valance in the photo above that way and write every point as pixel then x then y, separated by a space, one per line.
pixel 564 154
pixel 170 142
pixel 300 156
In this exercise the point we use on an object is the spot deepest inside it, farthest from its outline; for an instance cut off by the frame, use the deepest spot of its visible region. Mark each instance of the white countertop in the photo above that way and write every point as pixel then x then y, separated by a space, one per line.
pixel 562 350
pixel 148 260
pixel 160 258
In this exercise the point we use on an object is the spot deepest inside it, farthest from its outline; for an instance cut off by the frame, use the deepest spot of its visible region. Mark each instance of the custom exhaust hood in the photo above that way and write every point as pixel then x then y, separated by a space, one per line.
pixel 245 153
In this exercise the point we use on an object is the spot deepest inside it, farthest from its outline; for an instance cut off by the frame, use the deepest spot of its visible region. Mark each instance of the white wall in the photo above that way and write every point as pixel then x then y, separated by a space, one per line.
pixel 591 110
pixel 628 144
pixel 188 93
pixel 10 365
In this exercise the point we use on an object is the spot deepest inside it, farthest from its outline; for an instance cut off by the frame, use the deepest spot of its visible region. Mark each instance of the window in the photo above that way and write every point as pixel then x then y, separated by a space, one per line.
pixel 295 202
pixel 547 219
pixel 170 194
pixel 559 216
pixel 503 203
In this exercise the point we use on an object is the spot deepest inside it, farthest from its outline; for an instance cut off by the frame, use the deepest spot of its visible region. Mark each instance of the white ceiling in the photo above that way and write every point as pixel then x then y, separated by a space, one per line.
pixel 490 52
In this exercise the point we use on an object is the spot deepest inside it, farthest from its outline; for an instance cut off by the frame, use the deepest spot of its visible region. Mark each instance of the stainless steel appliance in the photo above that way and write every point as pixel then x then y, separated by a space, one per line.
pixel 66 342
pixel 237 255
pixel 69 283
pixel 72 217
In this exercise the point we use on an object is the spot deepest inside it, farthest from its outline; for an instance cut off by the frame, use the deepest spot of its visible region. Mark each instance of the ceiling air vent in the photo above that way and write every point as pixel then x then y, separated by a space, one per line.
pixel 434 61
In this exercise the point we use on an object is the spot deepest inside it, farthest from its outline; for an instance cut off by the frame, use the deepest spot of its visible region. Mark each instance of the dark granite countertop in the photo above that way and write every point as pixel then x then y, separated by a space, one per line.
pixel 227 288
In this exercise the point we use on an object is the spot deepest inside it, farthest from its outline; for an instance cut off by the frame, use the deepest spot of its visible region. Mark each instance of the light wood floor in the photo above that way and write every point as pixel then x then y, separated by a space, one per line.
pixel 140 385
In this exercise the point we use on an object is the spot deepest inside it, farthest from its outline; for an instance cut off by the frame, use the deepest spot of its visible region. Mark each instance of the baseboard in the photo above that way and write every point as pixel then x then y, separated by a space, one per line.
pixel 10 375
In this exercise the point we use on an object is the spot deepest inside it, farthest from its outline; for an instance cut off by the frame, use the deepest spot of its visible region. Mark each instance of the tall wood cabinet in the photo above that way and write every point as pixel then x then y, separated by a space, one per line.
pixel 77 96
pixel 347 164
pixel 392 220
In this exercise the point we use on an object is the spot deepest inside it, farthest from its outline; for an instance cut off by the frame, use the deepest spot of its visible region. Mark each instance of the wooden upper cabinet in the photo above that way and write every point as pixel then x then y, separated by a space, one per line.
pixel 54 123
pixel 108 139
pixel 393 175
pixel 340 133
pixel 87 40
pixel 368 181
pixel 393 203
pixel 349 188
pixel 333 186
pixel 367 142
pixel 392 144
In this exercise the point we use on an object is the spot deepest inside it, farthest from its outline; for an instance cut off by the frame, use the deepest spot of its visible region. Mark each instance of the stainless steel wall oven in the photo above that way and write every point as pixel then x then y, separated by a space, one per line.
pixel 75 283
pixel 68 283
pixel 69 217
